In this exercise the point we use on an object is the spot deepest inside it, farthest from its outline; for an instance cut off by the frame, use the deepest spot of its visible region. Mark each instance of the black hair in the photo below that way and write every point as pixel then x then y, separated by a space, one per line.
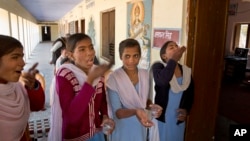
pixel 129 43
pixel 163 49
pixel 74 39
pixel 66 59
pixel 61 39
pixel 8 44
pixel 57 53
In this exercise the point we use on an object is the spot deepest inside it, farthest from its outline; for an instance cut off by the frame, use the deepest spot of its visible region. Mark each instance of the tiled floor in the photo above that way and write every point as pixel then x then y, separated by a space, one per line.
pixel 39 128
pixel 39 121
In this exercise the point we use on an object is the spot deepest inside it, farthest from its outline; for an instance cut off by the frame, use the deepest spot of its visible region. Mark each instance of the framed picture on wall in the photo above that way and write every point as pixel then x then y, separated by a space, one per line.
pixel 139 23
pixel 161 35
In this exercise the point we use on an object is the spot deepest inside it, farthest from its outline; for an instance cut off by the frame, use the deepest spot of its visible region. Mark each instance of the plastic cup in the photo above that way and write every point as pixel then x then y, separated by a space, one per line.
pixel 106 128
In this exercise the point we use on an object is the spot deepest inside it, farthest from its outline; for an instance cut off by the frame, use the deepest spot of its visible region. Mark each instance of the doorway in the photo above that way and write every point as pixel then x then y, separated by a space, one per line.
pixel 46 33
pixel 108 35
pixel 234 93
pixel 82 26
pixel 76 27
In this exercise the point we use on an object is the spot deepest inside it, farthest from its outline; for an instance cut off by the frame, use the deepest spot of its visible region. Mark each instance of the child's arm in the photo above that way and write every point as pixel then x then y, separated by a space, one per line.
pixel 35 91
pixel 36 97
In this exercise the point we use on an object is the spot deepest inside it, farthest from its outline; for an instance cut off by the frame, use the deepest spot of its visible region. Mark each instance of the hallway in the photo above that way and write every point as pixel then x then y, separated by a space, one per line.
pixel 186 18
pixel 232 99
pixel 39 121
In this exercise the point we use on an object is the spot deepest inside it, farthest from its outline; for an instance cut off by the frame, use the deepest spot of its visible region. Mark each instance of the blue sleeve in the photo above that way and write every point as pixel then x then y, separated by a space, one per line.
pixel 114 101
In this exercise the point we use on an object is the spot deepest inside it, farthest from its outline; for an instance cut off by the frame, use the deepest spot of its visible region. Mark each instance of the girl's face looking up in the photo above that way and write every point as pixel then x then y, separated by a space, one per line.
pixel 11 66
pixel 172 46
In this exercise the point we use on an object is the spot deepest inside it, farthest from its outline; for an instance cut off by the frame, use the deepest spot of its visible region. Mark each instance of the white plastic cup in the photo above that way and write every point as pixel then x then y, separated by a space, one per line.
pixel 106 128
pixel 154 111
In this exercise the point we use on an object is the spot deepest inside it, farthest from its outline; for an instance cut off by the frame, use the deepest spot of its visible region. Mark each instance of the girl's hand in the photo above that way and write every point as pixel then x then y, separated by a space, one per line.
pixel 181 114
pixel 143 118
pixel 110 122
pixel 177 53
pixel 28 78
pixel 98 71
pixel 156 110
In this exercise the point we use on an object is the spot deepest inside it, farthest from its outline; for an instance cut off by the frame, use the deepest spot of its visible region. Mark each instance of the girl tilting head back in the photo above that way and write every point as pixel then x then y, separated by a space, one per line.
pixel 174 92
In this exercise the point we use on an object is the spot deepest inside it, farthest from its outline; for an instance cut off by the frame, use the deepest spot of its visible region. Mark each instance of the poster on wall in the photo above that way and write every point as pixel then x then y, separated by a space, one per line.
pixel 91 30
pixel 162 35
pixel 139 27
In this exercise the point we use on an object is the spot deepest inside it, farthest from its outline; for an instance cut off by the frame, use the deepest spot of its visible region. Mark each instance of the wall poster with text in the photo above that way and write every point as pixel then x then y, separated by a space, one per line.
pixel 139 23
pixel 162 35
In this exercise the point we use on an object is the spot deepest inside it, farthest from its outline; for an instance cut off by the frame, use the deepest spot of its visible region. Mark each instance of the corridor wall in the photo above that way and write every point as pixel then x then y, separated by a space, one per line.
pixel 17 22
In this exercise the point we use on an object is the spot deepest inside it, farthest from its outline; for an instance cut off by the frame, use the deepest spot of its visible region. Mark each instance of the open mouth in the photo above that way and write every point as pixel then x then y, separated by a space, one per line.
pixel 18 72
pixel 91 60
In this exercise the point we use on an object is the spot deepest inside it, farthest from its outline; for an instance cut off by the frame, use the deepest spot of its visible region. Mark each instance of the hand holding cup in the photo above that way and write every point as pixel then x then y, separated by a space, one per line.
pixel 108 125
pixel 181 114
pixel 156 110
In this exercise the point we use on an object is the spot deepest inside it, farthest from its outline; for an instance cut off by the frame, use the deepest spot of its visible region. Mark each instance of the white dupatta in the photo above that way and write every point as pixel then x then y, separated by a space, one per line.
pixel 120 82
pixel 175 86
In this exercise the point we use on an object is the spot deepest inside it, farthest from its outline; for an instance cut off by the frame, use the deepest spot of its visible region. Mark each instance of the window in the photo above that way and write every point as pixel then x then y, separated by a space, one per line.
pixel 241 35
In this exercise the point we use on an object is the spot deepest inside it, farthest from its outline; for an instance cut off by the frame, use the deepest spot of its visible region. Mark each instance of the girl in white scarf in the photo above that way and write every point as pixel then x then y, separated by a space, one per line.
pixel 14 100
pixel 79 107
pixel 174 92
pixel 128 92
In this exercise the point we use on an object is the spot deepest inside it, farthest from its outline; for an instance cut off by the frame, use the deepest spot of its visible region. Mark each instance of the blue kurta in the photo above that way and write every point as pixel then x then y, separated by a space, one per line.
pixel 170 131
pixel 97 137
pixel 126 129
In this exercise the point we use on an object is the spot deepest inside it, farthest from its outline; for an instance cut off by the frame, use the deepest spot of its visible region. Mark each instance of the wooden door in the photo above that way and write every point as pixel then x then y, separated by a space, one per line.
pixel 76 27
pixel 82 26
pixel 205 54
pixel 108 35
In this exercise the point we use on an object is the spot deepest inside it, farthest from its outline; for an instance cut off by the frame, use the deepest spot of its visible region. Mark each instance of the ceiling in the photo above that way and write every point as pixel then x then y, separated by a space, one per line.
pixel 49 10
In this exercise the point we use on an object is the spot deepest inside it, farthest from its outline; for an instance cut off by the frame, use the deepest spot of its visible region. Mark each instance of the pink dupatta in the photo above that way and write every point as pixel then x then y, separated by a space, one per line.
pixel 14 111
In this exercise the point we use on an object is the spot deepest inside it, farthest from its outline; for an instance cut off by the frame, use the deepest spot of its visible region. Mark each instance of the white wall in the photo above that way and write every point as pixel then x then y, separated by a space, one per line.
pixel 14 26
pixel 4 22
pixel 15 21
pixel 169 14
pixel 165 14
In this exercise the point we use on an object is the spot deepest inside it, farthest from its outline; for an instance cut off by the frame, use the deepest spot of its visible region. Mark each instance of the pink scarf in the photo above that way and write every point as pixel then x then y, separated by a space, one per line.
pixel 14 111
